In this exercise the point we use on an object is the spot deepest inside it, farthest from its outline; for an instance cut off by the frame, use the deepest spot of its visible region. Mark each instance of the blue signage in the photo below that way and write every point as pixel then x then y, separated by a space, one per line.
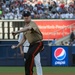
pixel 60 56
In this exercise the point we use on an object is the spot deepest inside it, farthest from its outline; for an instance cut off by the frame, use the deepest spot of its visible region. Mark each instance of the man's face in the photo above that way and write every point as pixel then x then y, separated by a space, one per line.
pixel 27 19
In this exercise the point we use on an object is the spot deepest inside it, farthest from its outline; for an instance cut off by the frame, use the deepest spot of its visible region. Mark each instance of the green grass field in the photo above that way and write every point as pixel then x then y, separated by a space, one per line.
pixel 52 70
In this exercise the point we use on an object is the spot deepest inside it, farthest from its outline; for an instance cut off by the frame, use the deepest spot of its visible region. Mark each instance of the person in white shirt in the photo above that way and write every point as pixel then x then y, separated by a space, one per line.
pixel 37 57
pixel 11 15
pixel 6 16
pixel 62 15
pixel 69 15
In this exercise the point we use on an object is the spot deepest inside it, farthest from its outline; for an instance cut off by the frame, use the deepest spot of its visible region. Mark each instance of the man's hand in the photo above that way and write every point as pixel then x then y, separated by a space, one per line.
pixel 14 33
pixel 13 47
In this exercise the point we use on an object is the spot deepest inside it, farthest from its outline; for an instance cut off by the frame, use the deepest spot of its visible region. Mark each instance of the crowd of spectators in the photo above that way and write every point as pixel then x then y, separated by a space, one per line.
pixel 12 9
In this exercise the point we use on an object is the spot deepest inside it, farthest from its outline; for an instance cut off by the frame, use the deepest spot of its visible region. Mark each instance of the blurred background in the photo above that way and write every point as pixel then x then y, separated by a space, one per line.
pixel 56 20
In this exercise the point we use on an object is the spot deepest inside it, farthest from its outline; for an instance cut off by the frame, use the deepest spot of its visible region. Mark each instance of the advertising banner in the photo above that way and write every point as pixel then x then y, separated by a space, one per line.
pixel 55 28
pixel 60 56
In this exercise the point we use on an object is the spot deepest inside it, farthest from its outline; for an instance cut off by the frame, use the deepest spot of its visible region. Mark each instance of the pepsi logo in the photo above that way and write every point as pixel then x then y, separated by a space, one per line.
pixel 60 53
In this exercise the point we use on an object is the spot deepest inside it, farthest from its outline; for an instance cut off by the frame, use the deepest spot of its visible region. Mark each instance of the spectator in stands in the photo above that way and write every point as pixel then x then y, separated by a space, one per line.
pixel 73 43
pixel 11 15
pixel 69 15
pixel 53 42
pixel 61 44
pixel 70 43
pixel 74 15
pixel 71 7
pixel 56 9
pixel 6 17
pixel 53 7
pixel 72 36
pixel 66 43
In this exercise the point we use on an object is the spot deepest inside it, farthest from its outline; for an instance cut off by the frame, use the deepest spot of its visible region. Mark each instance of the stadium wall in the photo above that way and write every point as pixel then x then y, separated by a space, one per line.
pixel 9 57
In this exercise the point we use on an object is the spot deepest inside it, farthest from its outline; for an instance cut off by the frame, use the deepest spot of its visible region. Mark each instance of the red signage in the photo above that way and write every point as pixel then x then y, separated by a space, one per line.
pixel 55 28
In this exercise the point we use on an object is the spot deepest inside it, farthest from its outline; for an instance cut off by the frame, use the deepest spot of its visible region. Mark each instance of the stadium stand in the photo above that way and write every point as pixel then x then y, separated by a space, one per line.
pixel 53 9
